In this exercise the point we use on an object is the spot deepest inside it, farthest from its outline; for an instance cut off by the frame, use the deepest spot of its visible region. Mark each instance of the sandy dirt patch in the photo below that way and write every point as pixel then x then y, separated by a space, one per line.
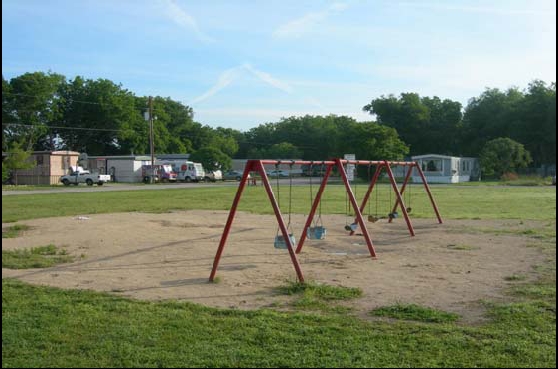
pixel 450 266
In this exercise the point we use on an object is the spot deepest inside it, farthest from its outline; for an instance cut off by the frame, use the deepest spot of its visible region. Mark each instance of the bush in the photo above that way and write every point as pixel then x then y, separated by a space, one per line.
pixel 509 176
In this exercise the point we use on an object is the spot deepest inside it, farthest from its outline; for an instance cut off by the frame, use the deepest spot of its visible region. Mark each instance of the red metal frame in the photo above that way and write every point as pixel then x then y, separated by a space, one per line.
pixel 387 165
pixel 258 166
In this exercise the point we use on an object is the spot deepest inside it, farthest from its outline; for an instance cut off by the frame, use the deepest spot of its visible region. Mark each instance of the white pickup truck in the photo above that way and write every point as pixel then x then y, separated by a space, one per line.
pixel 84 176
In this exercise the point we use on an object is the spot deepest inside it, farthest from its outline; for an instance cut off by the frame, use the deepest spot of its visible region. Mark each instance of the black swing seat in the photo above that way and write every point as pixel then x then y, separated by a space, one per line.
pixel 351 227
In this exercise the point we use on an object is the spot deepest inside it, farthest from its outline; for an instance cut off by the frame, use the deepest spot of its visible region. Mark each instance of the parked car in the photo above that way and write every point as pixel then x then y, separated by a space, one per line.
pixel 313 171
pixel 233 175
pixel 213 176
pixel 79 175
pixel 278 173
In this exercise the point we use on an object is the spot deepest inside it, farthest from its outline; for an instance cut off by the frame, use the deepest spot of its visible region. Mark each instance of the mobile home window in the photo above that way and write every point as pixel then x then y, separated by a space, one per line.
pixel 434 165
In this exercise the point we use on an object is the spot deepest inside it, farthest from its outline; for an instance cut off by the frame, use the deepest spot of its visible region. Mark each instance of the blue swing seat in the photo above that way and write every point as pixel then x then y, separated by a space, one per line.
pixel 280 241
pixel 316 233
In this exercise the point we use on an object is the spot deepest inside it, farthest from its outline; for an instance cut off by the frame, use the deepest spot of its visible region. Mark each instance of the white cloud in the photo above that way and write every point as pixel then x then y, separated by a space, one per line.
pixel 175 13
pixel 270 80
pixel 507 10
pixel 232 74
pixel 297 27
pixel 225 79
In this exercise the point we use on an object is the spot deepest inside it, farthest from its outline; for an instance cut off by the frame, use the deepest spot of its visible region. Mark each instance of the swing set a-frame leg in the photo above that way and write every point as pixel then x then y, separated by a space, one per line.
pixel 399 199
pixel 356 208
pixel 315 204
pixel 427 188
pixel 369 191
pixel 371 187
pixel 256 166
pixel 249 167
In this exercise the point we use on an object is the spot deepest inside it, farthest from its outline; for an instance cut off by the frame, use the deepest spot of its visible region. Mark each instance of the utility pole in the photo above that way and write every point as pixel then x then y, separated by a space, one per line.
pixel 151 138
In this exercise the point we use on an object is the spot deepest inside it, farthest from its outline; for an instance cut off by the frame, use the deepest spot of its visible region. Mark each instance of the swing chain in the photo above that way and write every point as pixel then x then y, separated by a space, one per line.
pixel 290 193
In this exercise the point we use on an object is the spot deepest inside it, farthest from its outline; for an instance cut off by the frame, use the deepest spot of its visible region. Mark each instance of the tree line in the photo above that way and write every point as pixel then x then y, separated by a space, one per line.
pixel 46 111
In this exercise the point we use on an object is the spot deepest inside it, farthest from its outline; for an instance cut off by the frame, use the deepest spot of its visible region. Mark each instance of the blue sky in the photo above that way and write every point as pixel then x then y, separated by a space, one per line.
pixel 243 63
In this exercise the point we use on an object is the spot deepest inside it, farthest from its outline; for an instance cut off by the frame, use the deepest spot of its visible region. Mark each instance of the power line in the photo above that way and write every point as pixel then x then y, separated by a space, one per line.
pixel 69 100
pixel 64 127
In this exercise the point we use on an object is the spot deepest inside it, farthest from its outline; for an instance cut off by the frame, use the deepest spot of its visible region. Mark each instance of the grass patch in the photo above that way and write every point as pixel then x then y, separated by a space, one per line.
pixel 415 313
pixel 546 232
pixel 313 296
pixel 516 277
pixel 535 291
pixel 461 202
pixel 50 327
pixel 14 231
pixel 321 291
pixel 36 257
pixel 216 280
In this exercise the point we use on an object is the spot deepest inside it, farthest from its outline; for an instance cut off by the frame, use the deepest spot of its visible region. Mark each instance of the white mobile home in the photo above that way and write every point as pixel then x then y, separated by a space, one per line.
pixel 125 168
pixel 447 169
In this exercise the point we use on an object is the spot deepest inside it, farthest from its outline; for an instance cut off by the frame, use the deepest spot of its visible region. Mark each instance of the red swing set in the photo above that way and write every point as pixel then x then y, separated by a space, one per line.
pixel 257 166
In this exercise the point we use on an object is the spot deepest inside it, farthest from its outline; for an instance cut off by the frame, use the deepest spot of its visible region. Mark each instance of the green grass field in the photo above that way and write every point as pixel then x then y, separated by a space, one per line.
pixel 49 327
pixel 455 202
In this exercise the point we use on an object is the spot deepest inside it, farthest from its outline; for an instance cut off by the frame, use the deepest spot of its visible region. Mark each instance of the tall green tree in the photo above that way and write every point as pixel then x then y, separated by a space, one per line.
pixel 8 115
pixel 101 117
pixel 282 150
pixel 212 159
pixel 427 125
pixel 325 137
pixel 528 117
pixel 535 122
pixel 32 106
pixel 491 115
pixel 503 155
pixel 172 126
pixel 17 158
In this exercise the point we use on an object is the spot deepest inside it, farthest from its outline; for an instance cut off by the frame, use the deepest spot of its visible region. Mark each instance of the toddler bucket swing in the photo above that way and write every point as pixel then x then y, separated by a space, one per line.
pixel 280 242
pixel 317 231
pixel 352 227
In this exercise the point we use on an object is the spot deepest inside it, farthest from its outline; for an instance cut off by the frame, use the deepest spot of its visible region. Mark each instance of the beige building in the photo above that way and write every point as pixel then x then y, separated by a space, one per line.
pixel 50 166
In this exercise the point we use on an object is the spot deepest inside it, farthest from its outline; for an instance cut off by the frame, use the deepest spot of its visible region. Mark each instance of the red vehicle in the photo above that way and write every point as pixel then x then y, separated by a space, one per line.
pixel 157 173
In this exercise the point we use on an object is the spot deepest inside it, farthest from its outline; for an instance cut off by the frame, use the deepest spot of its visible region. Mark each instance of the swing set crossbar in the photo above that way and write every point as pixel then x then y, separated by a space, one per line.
pixel 258 167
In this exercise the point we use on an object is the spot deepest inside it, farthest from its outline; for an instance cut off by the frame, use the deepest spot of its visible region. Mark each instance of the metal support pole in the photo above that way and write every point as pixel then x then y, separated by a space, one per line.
pixel 259 166
pixel 371 186
pixel 151 139
pixel 256 165
pixel 403 186
pixel 317 200
pixel 232 213
pixel 352 199
pixel 369 191
pixel 427 188
pixel 399 199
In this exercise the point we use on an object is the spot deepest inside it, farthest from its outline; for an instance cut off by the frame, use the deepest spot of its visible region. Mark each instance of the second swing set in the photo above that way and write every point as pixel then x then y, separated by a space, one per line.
pixel 313 228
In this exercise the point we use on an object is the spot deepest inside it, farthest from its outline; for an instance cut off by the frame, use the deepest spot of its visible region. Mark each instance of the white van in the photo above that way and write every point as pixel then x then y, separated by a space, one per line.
pixel 189 171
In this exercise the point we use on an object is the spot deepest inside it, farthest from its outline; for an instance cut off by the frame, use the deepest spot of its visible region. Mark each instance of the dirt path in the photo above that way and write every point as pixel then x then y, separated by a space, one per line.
pixel 450 266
